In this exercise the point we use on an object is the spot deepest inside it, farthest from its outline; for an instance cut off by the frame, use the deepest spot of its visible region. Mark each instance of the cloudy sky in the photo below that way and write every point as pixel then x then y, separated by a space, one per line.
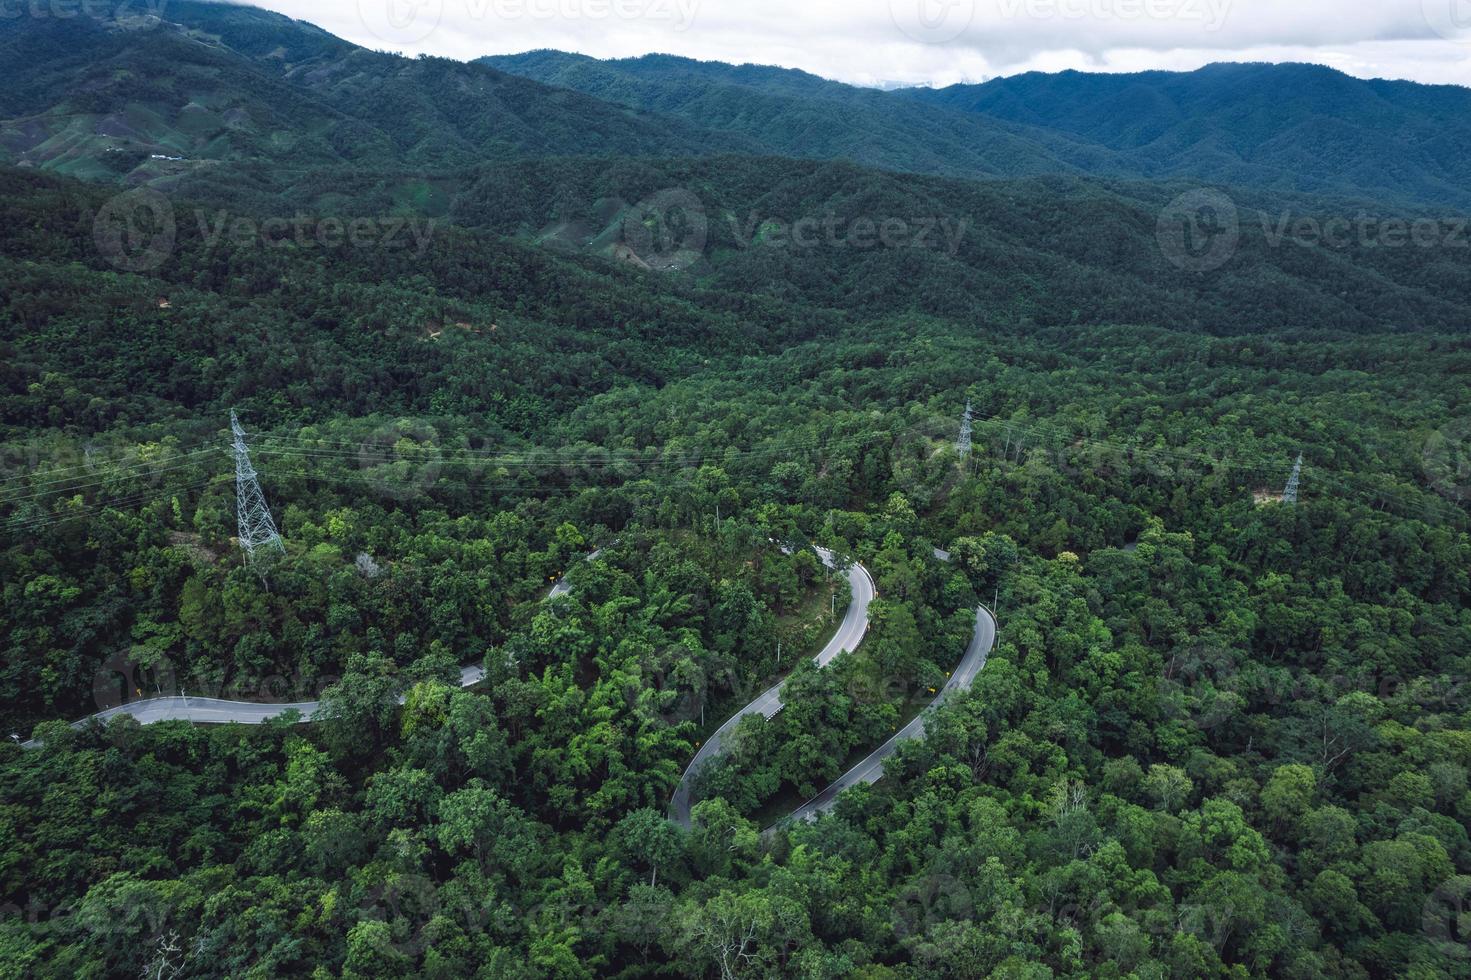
pixel 931 41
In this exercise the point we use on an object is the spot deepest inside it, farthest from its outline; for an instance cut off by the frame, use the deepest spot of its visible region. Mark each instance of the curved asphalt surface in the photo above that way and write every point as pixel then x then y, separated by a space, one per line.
pixel 211 711
pixel 871 769
pixel 850 633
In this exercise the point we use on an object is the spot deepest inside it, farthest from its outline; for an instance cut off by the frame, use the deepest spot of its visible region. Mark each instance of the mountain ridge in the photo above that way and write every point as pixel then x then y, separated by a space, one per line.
pixel 223 84
pixel 220 83
pixel 1224 123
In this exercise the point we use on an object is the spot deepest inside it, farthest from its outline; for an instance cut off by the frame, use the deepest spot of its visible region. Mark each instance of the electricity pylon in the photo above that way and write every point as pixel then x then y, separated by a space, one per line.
pixel 1289 496
pixel 963 445
pixel 257 529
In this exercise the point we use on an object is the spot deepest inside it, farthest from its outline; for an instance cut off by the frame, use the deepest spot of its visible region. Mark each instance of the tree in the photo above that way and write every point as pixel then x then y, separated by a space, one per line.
pixel 646 838
pixel 360 709
pixel 371 952
pixel 721 841
pixel 744 933
pixel 1288 793
pixel 1169 787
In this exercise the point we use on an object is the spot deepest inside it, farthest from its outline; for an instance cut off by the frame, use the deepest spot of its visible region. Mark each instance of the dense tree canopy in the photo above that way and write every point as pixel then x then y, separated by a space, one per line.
pixel 1221 734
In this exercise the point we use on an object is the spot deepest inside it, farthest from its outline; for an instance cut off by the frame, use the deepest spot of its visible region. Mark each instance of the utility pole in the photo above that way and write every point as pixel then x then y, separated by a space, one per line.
pixel 963 445
pixel 257 529
pixel 1289 496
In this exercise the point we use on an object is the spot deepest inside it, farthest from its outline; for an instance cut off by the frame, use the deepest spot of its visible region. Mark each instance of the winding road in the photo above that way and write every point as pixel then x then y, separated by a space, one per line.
pixel 871 769
pixel 212 711
pixel 850 633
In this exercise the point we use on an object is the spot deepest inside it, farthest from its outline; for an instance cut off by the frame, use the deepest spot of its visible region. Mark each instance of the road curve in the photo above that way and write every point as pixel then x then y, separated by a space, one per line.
pixel 850 633
pixel 871 769
pixel 212 711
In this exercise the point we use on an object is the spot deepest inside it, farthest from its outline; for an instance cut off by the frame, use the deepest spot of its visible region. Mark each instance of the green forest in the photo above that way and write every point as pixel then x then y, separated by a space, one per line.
pixel 1223 733
pixel 1218 736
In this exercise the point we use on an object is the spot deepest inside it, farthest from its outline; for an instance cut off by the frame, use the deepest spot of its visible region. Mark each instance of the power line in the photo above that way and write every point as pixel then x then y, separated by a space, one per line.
pixel 94 469
pixel 145 497
pixel 257 528
pixel 1344 481
pixel 1289 496
pixel 64 491
pixel 963 446
pixel 535 455
pixel 532 460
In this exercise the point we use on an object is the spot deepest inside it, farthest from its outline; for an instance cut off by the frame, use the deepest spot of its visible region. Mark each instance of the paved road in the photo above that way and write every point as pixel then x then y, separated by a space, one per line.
pixel 871 769
pixel 204 710
pixel 210 711
pixel 850 633
pixel 563 586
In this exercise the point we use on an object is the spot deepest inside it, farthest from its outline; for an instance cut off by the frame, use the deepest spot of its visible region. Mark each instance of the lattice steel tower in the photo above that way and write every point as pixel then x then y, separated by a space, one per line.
pixel 963 446
pixel 1289 496
pixel 257 529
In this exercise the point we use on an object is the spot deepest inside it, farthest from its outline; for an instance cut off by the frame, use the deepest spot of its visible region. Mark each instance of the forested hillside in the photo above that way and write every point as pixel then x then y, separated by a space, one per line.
pixel 1048 251
pixel 564 390
pixel 1286 127
pixel 216 86
pixel 1217 734
pixel 795 114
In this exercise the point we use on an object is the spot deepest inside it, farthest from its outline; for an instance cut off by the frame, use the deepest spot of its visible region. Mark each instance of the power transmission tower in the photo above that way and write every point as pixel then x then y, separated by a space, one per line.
pixel 1289 496
pixel 963 446
pixel 257 529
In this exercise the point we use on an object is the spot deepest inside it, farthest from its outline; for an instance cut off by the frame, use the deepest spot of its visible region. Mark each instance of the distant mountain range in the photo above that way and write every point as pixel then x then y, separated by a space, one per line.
pixel 1035 199
pixel 1283 128
pixel 218 84
pixel 794 114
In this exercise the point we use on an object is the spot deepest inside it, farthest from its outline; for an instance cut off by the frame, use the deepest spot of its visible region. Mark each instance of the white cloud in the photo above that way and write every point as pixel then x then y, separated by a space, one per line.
pixel 930 41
